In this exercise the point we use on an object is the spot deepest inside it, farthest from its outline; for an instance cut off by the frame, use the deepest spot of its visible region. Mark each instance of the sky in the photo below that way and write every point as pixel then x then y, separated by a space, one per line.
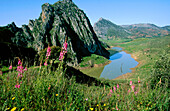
pixel 120 12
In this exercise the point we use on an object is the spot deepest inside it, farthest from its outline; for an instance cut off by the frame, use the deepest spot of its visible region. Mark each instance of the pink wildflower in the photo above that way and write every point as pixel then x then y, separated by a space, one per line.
pixel 114 88
pixel 118 95
pixel 133 87
pixel 130 82
pixel 61 55
pixel 25 69
pixel 17 86
pixel 20 75
pixel 136 92
pixel 19 62
pixel 48 52
pixel 45 63
pixel 10 67
pixel 65 46
pixel 138 81
pixel 111 91
pixel 117 86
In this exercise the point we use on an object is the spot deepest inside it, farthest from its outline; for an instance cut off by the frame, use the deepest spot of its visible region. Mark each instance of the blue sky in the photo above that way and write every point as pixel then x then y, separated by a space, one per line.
pixel 121 12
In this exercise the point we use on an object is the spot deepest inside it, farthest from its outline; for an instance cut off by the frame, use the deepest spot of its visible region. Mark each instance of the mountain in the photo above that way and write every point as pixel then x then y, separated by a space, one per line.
pixel 166 28
pixel 106 29
pixel 55 23
pixel 145 30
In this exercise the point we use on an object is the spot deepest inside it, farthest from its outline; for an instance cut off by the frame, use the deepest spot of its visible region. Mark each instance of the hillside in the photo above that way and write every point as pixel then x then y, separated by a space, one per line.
pixel 108 30
pixel 55 23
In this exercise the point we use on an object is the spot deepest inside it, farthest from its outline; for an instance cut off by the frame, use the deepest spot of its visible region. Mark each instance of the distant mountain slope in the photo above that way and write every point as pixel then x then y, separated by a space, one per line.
pixel 106 29
pixel 145 30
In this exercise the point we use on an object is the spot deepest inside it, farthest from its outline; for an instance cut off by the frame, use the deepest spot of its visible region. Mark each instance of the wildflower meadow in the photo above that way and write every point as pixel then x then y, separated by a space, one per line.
pixel 44 88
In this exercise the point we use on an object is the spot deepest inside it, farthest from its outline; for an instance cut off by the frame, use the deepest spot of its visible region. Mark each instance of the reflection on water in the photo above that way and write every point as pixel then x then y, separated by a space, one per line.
pixel 121 64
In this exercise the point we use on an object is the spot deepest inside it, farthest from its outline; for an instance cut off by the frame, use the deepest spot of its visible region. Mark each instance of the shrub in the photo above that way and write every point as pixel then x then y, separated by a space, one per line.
pixel 161 71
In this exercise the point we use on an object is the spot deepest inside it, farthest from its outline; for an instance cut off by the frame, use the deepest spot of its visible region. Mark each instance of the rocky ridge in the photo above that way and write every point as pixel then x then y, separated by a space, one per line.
pixel 56 22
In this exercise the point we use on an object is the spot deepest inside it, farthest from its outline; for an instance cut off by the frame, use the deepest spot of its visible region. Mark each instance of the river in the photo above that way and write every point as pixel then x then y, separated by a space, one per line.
pixel 121 63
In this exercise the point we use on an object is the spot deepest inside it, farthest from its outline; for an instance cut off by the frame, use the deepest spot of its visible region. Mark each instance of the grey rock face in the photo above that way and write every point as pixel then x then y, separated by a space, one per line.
pixel 56 22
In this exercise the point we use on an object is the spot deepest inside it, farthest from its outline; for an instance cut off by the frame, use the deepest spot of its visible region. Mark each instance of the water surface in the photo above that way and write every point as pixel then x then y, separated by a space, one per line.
pixel 121 63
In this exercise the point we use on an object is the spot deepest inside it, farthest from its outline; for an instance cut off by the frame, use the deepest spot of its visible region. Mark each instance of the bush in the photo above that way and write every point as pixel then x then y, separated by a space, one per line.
pixel 161 70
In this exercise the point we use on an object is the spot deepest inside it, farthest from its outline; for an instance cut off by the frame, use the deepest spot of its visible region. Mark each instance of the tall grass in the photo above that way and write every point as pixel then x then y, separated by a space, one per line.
pixel 42 88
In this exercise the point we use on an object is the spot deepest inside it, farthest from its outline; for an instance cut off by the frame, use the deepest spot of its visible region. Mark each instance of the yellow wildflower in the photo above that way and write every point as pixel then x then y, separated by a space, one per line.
pixel 104 104
pixel 13 98
pixel 91 109
pixel 13 109
pixel 8 108
pixel 22 109
pixel 56 94
pixel 97 105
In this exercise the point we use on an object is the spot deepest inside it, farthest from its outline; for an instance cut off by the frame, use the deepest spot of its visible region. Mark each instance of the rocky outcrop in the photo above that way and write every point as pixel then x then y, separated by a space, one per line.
pixel 56 22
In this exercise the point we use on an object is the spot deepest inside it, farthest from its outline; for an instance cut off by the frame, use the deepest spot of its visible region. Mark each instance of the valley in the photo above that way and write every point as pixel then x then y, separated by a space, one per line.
pixel 58 62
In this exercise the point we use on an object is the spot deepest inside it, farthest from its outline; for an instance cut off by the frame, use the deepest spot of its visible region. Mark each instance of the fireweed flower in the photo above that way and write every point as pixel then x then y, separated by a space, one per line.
pixel 25 69
pixel 47 55
pixel 133 87
pixel 130 82
pixel 63 51
pixel 61 55
pixel 45 63
pixel 86 99
pixel 17 86
pixel 114 88
pixel 10 67
pixel 111 91
pixel 19 62
pixel 117 86
pixel 48 51
pixel 65 46
pixel 136 92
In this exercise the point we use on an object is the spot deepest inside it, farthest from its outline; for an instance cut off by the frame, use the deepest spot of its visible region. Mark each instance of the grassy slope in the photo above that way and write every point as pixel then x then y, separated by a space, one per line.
pixel 145 50
pixel 50 90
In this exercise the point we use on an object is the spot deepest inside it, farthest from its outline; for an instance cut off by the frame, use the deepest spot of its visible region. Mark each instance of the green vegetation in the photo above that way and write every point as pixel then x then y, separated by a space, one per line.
pixel 90 61
pixel 44 89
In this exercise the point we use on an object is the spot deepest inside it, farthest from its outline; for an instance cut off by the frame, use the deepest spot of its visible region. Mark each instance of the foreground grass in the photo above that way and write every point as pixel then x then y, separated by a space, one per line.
pixel 45 89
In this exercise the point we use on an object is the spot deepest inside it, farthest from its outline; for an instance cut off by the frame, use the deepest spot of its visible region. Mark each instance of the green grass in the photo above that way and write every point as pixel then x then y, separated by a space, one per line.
pixel 93 72
pixel 45 89
pixel 89 61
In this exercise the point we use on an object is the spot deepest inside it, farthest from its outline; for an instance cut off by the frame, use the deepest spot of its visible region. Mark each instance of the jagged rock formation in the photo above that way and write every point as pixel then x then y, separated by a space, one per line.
pixel 56 22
